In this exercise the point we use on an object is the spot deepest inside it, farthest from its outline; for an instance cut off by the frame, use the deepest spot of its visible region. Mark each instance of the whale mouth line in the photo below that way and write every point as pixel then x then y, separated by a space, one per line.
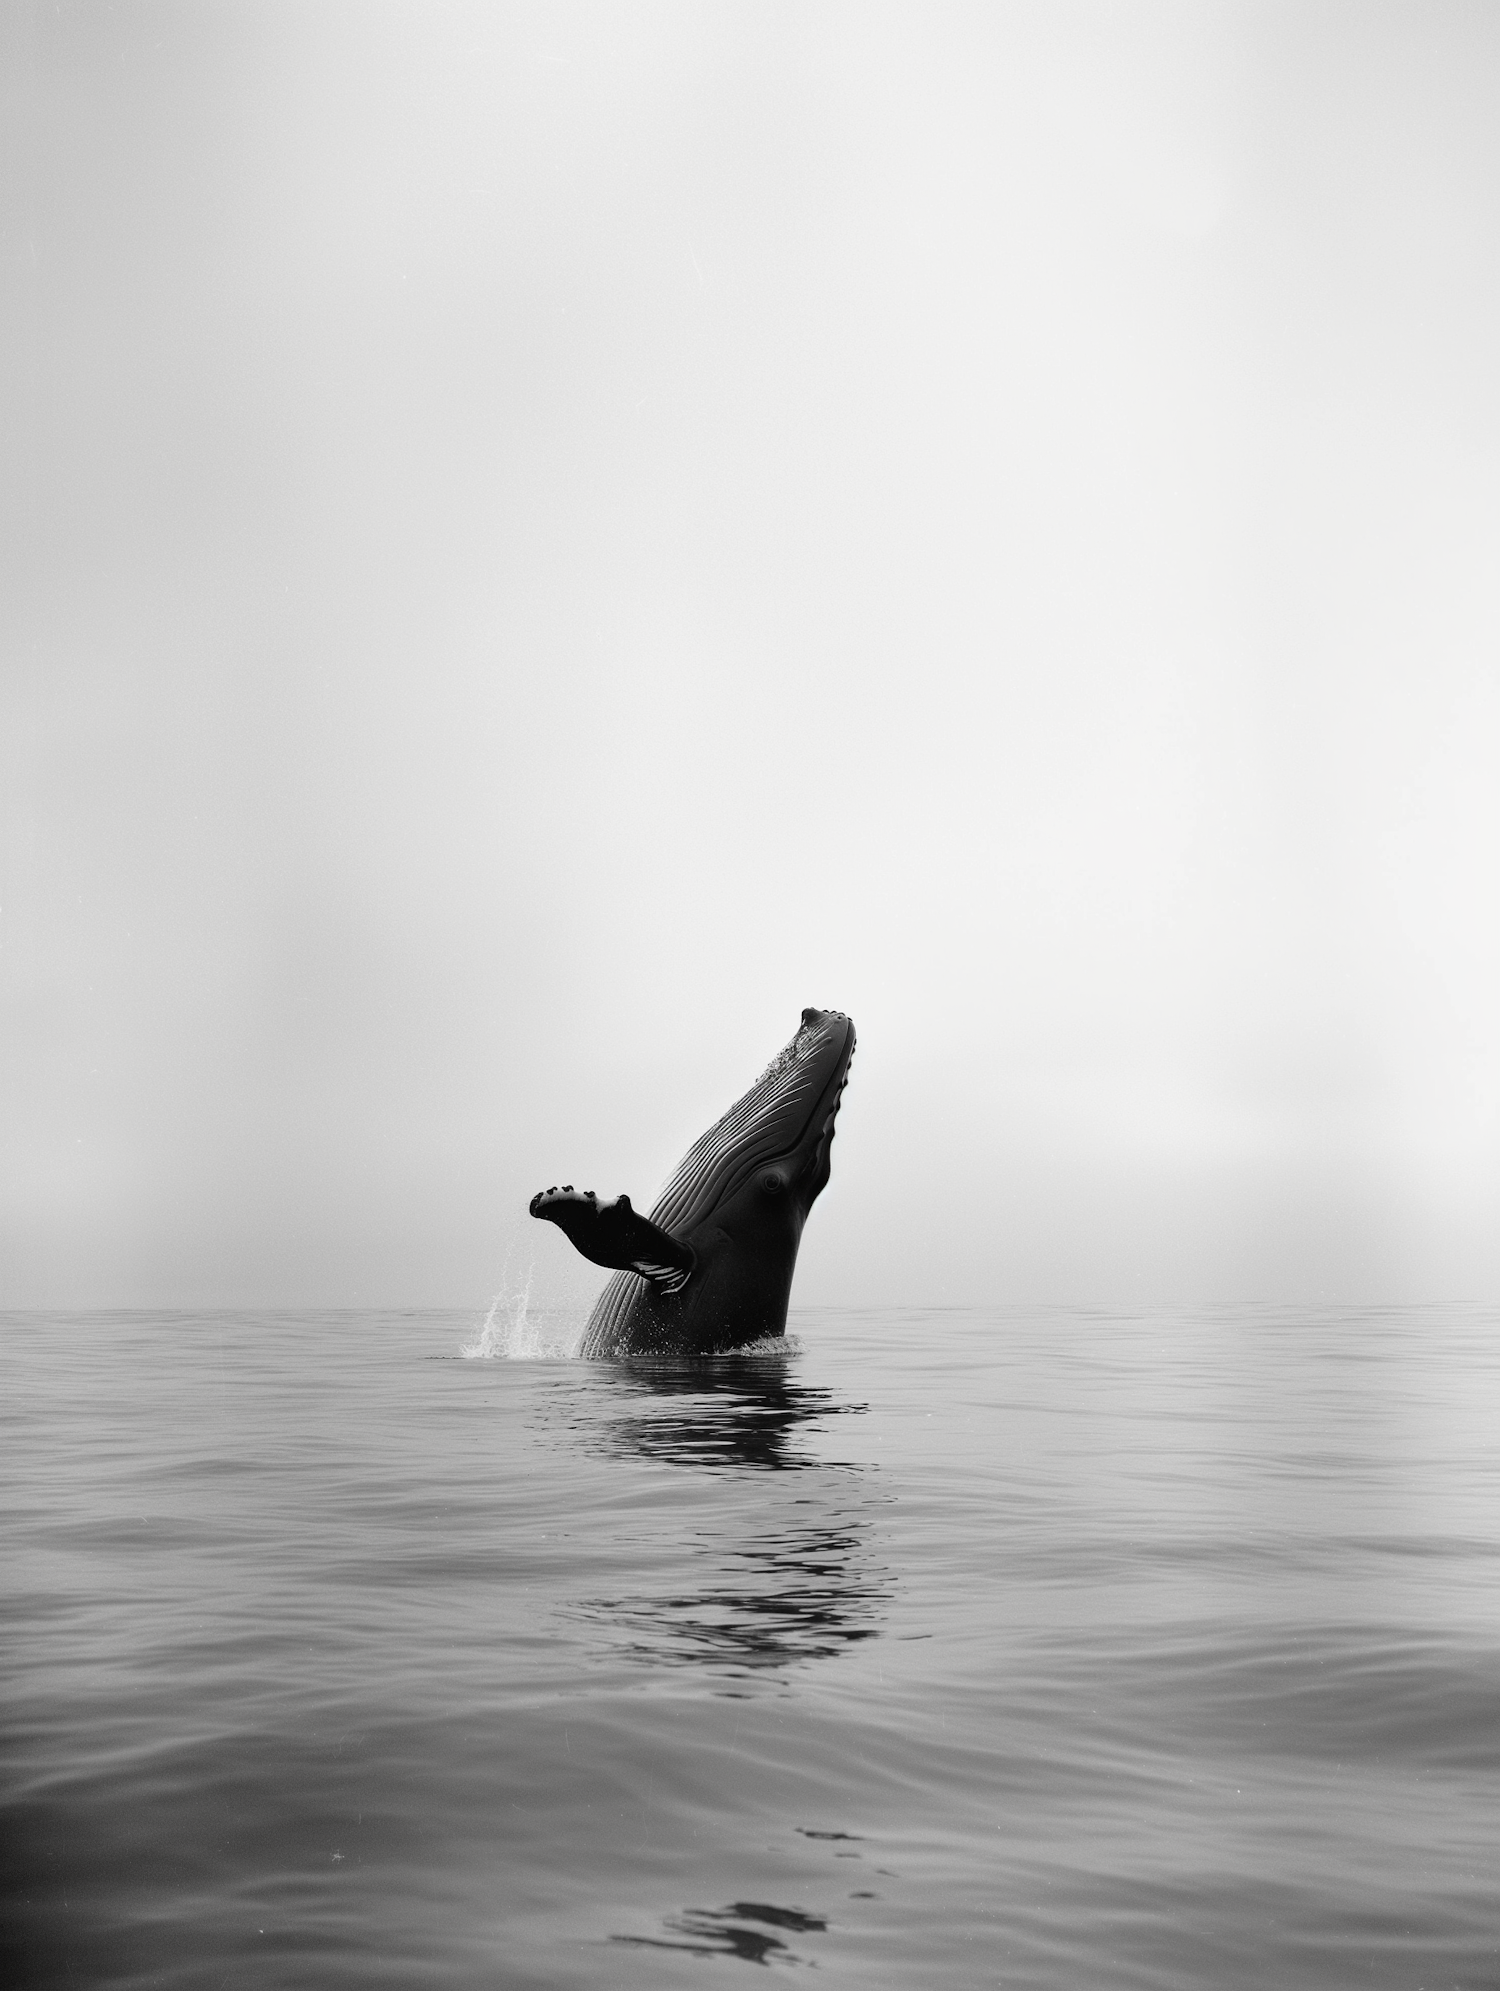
pixel 747 1138
pixel 833 1093
pixel 830 1097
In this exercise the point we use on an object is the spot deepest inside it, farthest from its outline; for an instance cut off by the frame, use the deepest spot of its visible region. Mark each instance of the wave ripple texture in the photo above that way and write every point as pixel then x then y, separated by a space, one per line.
pixel 944 1648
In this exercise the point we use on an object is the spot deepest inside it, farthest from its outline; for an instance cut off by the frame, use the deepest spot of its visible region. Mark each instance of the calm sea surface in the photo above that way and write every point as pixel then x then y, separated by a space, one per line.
pixel 1063 1649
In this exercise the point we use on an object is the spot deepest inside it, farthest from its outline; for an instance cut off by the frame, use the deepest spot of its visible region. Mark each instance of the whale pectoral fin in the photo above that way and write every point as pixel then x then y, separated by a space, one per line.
pixel 665 1278
pixel 618 1236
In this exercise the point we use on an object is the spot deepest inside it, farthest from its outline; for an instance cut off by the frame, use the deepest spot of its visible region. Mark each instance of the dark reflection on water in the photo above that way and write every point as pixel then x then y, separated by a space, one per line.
pixel 723 1932
pixel 804 1583
pixel 799 1597
pixel 733 1413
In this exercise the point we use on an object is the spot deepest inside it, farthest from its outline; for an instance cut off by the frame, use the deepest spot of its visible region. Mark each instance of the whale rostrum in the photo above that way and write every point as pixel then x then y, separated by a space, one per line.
pixel 711 1268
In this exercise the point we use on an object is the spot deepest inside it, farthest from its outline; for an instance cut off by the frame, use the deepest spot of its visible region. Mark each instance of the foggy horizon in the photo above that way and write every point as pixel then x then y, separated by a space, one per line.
pixel 543 541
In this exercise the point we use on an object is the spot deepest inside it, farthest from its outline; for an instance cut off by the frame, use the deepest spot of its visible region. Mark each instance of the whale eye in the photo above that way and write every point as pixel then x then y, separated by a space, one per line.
pixel 773 1182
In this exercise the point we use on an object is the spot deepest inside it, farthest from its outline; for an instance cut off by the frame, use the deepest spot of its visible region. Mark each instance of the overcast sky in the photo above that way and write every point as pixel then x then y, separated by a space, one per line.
pixel 542 539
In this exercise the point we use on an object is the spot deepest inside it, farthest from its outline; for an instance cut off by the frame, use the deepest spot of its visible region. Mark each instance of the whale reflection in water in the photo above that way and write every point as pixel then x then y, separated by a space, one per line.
pixel 774 1576
pixel 731 1412
pixel 738 1930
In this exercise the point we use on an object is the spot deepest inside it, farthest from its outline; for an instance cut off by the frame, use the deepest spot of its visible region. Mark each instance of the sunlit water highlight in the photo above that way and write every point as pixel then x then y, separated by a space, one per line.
pixel 1045 1649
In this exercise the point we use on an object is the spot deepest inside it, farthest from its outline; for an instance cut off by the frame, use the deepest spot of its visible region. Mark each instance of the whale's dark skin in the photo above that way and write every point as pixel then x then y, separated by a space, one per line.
pixel 711 1268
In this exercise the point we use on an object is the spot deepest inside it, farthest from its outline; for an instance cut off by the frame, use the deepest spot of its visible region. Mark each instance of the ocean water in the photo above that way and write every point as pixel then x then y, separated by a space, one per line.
pixel 1029 1648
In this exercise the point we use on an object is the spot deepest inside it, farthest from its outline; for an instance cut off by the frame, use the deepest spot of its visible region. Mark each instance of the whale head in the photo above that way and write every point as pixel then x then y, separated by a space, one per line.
pixel 776 1138
pixel 735 1206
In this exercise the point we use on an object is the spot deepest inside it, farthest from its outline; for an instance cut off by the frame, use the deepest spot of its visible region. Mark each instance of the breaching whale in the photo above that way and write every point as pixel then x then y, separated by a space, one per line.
pixel 711 1267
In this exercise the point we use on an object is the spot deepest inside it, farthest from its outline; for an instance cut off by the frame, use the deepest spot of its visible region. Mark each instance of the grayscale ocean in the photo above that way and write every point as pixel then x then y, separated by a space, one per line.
pixel 1028 1647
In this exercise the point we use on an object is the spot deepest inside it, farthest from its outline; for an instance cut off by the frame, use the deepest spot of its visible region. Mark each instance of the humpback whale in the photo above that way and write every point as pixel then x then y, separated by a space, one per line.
pixel 711 1267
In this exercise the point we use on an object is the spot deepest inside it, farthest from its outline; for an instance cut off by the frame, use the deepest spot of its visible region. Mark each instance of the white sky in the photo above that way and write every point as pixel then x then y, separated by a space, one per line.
pixel 542 539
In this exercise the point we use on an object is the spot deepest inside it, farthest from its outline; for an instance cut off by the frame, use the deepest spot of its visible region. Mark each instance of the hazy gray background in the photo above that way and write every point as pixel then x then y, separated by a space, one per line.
pixel 541 539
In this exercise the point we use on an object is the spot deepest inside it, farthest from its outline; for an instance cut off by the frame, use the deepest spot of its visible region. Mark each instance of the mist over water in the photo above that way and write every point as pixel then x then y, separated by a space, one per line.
pixel 544 540
pixel 953 1647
